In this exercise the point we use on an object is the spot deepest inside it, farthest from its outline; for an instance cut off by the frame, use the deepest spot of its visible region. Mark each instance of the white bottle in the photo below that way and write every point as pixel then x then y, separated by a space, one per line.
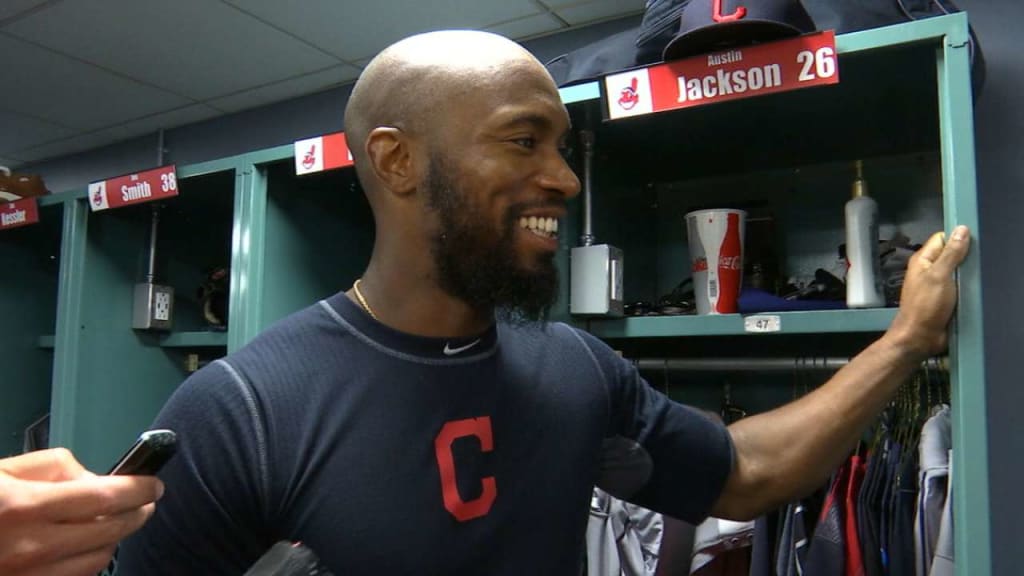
pixel 863 278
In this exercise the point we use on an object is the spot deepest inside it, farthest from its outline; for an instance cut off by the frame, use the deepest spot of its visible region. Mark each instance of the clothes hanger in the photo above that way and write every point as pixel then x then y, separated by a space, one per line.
pixel 730 412
pixel 665 376
pixel 946 383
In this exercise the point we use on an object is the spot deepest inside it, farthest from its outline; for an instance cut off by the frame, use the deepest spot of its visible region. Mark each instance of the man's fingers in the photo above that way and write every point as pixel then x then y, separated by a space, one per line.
pixel 86 498
pixel 956 249
pixel 932 249
pixel 73 544
pixel 53 465
pixel 87 564
pixel 101 532
pixel 948 253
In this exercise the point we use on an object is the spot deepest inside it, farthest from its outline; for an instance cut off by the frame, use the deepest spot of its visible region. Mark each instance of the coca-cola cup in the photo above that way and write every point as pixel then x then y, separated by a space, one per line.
pixel 716 258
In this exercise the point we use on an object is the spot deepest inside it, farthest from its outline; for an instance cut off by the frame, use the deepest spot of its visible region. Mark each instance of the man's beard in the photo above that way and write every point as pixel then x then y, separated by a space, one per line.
pixel 479 265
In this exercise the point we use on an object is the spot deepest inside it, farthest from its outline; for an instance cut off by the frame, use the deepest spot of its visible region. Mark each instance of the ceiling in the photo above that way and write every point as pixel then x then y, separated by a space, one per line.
pixel 85 73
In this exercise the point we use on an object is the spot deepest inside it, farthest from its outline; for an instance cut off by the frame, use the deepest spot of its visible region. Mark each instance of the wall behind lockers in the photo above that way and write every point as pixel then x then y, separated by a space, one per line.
pixel 999 129
pixel 1000 146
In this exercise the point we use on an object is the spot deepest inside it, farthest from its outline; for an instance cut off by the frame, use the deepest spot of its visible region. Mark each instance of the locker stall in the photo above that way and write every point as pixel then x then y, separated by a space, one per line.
pixel 30 256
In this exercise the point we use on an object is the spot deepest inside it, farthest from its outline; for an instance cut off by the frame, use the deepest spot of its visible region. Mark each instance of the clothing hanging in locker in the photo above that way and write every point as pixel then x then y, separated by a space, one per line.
pixel 624 539
pixel 934 502
pixel 887 510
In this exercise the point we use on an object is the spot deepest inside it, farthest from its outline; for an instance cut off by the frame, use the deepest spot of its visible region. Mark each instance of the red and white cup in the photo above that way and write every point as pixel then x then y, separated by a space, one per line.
pixel 716 258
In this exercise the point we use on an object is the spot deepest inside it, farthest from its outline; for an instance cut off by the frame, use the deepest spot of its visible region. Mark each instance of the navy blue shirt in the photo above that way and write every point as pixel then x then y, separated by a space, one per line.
pixel 388 453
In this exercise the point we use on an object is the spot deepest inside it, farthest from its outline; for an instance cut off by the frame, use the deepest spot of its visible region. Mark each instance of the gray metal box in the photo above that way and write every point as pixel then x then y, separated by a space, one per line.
pixel 596 281
pixel 153 308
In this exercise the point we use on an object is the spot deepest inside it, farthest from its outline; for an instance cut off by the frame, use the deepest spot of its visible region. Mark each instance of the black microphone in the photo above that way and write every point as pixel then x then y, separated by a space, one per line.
pixel 288 559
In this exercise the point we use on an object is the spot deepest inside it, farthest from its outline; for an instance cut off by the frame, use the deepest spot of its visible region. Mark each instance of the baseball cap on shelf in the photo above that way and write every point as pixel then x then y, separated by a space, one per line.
pixel 711 25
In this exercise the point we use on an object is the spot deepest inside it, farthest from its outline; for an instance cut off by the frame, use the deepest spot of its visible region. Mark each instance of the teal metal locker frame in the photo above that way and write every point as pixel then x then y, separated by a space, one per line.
pixel 959 191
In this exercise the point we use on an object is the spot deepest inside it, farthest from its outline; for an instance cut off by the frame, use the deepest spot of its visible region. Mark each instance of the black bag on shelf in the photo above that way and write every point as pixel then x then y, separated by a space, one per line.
pixel 853 15
pixel 658 27
pixel 288 559
pixel 615 52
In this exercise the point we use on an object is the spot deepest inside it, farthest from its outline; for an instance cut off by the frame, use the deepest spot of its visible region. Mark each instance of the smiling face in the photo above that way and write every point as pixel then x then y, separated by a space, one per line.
pixel 456 138
pixel 498 185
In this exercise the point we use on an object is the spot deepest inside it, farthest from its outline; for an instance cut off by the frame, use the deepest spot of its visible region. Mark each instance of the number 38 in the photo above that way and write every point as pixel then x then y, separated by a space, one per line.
pixel 168 182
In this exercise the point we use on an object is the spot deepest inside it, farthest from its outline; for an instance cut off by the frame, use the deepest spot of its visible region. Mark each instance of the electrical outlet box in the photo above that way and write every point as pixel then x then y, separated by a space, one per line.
pixel 153 307
pixel 596 281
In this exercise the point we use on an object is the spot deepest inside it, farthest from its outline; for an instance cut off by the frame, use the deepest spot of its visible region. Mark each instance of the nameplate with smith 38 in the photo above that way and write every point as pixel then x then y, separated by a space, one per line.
pixel 743 72
pixel 137 188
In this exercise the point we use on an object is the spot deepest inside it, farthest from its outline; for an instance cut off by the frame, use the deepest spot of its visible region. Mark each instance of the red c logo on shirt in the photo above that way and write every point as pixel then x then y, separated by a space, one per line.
pixel 452 431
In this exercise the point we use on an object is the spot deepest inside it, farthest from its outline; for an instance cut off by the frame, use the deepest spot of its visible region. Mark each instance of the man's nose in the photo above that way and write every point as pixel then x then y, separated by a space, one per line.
pixel 560 178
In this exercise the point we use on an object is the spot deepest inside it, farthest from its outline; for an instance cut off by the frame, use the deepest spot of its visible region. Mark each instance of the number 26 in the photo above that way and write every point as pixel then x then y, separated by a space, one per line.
pixel 823 62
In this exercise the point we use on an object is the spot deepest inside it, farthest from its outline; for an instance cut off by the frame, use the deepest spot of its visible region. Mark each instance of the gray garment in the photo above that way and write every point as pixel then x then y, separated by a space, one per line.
pixel 793 544
pixel 942 564
pixel 622 538
pixel 784 553
pixel 761 548
pixel 716 536
pixel 936 441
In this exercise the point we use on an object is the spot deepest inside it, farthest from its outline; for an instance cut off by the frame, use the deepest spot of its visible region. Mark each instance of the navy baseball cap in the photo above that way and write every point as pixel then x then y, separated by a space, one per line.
pixel 711 25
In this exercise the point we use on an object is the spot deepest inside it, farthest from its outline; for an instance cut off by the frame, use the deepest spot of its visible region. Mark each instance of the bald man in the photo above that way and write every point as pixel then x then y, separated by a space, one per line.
pixel 427 420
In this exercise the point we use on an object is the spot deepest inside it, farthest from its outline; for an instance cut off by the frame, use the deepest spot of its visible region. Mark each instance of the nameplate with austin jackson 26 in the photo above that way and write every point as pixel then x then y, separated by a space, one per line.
pixel 742 72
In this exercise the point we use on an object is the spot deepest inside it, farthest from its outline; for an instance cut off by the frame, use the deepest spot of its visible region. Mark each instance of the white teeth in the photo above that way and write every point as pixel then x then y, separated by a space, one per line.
pixel 547 227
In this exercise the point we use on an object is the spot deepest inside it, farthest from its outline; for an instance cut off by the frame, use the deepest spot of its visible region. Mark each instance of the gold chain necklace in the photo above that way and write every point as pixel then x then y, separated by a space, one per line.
pixel 362 301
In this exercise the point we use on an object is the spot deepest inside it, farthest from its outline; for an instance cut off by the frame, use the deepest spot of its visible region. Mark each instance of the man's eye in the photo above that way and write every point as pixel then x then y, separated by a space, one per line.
pixel 529 143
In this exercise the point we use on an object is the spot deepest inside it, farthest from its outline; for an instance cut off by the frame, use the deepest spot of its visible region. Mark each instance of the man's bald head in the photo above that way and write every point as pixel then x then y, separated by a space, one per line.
pixel 416 83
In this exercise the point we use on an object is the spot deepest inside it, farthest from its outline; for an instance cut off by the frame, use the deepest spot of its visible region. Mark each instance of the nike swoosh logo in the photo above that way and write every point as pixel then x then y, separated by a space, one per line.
pixel 449 351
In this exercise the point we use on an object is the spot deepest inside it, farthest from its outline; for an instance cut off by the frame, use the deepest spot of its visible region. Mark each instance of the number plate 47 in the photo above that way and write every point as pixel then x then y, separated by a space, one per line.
pixel 762 323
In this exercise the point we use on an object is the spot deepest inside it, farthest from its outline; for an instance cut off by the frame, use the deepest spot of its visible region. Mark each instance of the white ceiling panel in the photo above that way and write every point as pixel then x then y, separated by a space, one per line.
pixel 197 48
pixel 625 6
pixel 529 26
pixel 91 73
pixel 362 62
pixel 598 10
pixel 353 29
pixel 72 93
pixel 11 8
pixel 21 131
pixel 290 88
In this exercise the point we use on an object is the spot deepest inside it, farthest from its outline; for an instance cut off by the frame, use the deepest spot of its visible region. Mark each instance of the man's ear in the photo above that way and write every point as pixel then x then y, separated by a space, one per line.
pixel 390 152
